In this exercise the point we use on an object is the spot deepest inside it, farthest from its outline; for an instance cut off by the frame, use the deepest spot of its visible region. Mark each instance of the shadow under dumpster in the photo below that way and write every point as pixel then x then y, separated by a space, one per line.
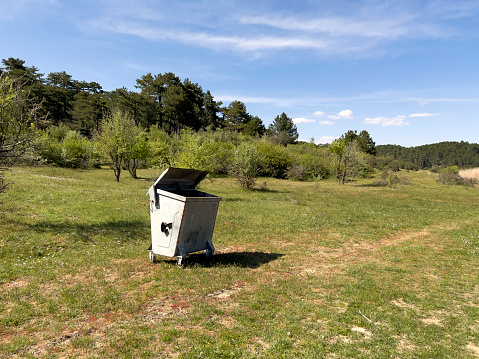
pixel 232 259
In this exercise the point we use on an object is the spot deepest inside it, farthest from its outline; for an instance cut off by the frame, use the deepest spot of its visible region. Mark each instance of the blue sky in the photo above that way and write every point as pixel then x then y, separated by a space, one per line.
pixel 405 71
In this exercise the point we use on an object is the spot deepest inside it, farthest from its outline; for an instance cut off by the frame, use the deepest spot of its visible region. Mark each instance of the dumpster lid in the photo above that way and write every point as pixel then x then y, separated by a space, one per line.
pixel 179 178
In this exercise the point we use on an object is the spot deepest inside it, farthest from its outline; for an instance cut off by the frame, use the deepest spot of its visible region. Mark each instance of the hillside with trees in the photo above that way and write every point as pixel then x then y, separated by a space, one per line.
pixel 461 154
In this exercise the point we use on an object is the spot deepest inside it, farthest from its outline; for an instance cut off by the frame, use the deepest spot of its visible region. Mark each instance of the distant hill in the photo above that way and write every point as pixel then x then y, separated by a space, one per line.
pixel 461 154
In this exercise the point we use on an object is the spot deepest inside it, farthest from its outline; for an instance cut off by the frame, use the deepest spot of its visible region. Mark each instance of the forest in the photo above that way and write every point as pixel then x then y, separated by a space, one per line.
pixel 60 121
pixel 461 154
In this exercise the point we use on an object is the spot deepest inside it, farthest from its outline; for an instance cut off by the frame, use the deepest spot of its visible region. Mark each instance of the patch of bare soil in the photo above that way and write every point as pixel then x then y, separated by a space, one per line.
pixel 402 304
pixel 432 321
pixel 225 293
pixel 165 307
pixel 405 345
pixel 473 348
pixel 19 283
pixel 367 334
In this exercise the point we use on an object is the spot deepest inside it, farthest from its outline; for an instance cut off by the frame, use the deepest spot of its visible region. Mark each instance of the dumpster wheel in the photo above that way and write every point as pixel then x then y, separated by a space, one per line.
pixel 181 262
pixel 152 257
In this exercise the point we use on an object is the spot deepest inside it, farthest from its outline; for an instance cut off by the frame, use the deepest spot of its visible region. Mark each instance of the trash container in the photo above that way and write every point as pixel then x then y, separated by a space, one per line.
pixel 182 218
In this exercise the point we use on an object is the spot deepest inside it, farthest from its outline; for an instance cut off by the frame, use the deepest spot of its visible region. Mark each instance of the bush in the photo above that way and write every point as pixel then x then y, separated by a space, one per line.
pixel 274 160
pixel 450 176
pixel 308 162
pixel 245 164
pixel 64 147
pixel 389 177
pixel 76 151
pixel 297 172
pixel 200 151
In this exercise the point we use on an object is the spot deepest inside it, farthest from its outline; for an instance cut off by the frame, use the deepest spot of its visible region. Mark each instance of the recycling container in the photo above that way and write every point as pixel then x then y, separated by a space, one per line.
pixel 182 218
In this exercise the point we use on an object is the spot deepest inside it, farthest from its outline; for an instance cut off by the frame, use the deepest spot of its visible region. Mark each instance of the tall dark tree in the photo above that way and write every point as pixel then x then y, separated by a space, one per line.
pixel 236 115
pixel 87 112
pixel 142 107
pixel 364 140
pixel 236 118
pixel 283 130
pixel 210 112
pixel 16 70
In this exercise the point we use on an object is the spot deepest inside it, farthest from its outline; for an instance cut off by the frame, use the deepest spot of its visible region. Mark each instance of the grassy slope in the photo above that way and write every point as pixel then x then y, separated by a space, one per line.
pixel 301 270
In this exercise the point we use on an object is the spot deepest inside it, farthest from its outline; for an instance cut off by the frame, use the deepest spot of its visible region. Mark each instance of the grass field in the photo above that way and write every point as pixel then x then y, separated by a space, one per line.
pixel 305 270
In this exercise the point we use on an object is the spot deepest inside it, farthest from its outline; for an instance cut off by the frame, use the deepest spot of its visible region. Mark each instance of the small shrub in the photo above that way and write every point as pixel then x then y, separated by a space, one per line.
pixel 297 172
pixel 76 151
pixel 450 176
pixel 388 177
pixel 245 164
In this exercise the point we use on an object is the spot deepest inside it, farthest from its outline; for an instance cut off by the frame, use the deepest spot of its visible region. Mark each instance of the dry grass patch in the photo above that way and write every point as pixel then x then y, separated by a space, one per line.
pixel 470 173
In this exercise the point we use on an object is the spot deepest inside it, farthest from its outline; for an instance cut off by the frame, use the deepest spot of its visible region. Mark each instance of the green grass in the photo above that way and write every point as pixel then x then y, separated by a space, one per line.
pixel 301 270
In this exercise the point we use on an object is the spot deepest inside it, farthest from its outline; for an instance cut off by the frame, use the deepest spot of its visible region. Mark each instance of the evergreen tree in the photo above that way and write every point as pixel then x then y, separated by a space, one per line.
pixel 283 130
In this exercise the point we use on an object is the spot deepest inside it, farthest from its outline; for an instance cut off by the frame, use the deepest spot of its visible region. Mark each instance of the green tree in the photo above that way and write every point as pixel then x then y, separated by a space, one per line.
pixel 117 139
pixel 16 70
pixel 347 158
pixel 364 141
pixel 283 130
pixel 239 120
pixel 142 107
pixel 210 112
pixel 137 155
pixel 87 112
pixel 17 119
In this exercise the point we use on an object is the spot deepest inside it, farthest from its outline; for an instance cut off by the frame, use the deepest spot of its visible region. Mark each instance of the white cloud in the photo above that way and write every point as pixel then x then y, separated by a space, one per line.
pixel 365 31
pixel 424 114
pixel 326 122
pixel 325 139
pixel 302 120
pixel 342 115
pixel 319 113
pixel 387 121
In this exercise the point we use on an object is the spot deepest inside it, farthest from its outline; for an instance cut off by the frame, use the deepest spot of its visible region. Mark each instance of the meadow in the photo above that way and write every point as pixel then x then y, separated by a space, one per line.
pixel 301 270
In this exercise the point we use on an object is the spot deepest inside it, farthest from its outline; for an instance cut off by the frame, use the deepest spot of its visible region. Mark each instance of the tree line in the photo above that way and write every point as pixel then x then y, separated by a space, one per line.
pixel 460 154
pixel 57 120
pixel 162 100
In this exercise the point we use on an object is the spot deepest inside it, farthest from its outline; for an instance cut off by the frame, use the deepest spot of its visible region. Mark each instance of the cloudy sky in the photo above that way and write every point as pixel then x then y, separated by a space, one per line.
pixel 405 71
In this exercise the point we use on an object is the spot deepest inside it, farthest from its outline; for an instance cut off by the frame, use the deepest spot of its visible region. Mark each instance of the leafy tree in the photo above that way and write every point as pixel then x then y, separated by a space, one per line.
pixel 283 130
pixel 137 154
pixel 17 119
pixel 347 158
pixel 117 138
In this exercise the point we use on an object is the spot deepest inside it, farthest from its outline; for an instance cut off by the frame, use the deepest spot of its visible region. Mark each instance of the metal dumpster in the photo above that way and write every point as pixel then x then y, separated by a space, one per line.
pixel 182 218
